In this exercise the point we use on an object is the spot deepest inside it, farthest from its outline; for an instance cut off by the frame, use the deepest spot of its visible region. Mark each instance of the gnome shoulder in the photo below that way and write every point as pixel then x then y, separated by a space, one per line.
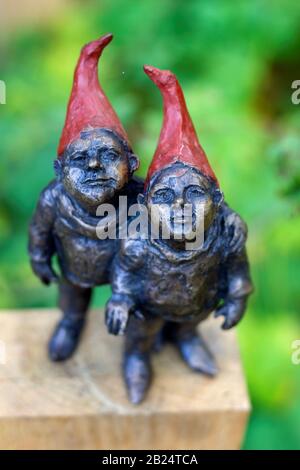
pixel 49 195
pixel 235 230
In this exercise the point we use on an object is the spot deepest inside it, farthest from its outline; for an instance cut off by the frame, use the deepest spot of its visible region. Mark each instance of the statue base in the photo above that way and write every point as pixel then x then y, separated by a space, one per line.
pixel 82 403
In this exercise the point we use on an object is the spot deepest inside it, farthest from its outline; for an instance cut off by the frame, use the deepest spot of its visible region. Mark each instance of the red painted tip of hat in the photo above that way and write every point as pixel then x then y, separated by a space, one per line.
pixel 160 77
pixel 178 140
pixel 88 106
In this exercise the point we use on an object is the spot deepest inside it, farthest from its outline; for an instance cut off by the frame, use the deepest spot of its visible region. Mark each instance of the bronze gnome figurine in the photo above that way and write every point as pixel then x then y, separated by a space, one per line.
pixel 163 285
pixel 160 289
pixel 94 166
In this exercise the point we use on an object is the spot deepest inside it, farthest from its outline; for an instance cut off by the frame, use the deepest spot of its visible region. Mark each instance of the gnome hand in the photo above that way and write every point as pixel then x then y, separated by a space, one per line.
pixel 116 316
pixel 232 310
pixel 44 271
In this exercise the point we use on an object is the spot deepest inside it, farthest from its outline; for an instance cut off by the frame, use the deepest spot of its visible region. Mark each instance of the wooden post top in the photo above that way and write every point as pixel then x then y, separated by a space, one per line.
pixel 191 411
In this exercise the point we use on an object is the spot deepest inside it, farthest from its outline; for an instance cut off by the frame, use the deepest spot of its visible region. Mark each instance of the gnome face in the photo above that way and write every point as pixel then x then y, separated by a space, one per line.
pixel 96 166
pixel 183 200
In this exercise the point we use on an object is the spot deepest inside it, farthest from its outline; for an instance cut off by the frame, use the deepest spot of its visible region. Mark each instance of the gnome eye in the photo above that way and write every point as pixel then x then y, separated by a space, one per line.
pixel 110 156
pixel 78 157
pixel 163 196
pixel 194 192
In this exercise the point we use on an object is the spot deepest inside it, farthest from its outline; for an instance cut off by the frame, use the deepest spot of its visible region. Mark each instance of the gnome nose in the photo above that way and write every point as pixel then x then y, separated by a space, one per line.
pixel 94 163
pixel 179 202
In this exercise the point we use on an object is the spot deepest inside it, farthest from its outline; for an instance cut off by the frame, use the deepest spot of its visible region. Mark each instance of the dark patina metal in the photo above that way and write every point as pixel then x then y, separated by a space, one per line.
pixel 94 166
pixel 160 289
pixel 95 169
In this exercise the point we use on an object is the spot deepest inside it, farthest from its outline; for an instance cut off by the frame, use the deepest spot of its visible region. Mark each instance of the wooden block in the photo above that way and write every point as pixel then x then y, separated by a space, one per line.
pixel 82 404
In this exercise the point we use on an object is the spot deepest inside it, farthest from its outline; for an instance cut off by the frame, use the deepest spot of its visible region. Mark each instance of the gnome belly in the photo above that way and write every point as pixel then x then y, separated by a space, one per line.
pixel 84 259
pixel 85 262
pixel 181 291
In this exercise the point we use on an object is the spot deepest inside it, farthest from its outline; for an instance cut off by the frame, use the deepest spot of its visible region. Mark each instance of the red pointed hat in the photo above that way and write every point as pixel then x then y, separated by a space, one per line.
pixel 178 140
pixel 88 105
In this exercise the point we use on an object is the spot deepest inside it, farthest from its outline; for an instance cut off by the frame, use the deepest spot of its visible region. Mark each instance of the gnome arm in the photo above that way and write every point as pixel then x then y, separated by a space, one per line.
pixel 236 274
pixel 239 284
pixel 120 304
pixel 124 281
pixel 41 243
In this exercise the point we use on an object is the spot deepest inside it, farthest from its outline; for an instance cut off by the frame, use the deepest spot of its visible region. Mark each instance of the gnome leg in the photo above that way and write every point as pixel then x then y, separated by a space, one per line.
pixel 74 302
pixel 139 341
pixel 192 347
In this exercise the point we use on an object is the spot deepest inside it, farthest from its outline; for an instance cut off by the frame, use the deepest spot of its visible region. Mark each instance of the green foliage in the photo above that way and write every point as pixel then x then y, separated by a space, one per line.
pixel 236 62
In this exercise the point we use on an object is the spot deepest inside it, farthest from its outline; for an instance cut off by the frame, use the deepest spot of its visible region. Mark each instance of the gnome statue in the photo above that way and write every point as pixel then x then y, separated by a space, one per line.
pixel 94 165
pixel 161 287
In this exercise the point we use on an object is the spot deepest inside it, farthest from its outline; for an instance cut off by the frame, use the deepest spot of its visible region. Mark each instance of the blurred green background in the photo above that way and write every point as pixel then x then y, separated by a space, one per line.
pixel 236 62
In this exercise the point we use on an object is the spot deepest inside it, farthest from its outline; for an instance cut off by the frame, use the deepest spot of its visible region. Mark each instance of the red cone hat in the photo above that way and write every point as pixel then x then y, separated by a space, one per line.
pixel 178 140
pixel 88 105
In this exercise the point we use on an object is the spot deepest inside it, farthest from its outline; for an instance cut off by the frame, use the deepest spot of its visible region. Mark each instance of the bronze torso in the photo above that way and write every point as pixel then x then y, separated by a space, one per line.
pixel 84 259
pixel 177 286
